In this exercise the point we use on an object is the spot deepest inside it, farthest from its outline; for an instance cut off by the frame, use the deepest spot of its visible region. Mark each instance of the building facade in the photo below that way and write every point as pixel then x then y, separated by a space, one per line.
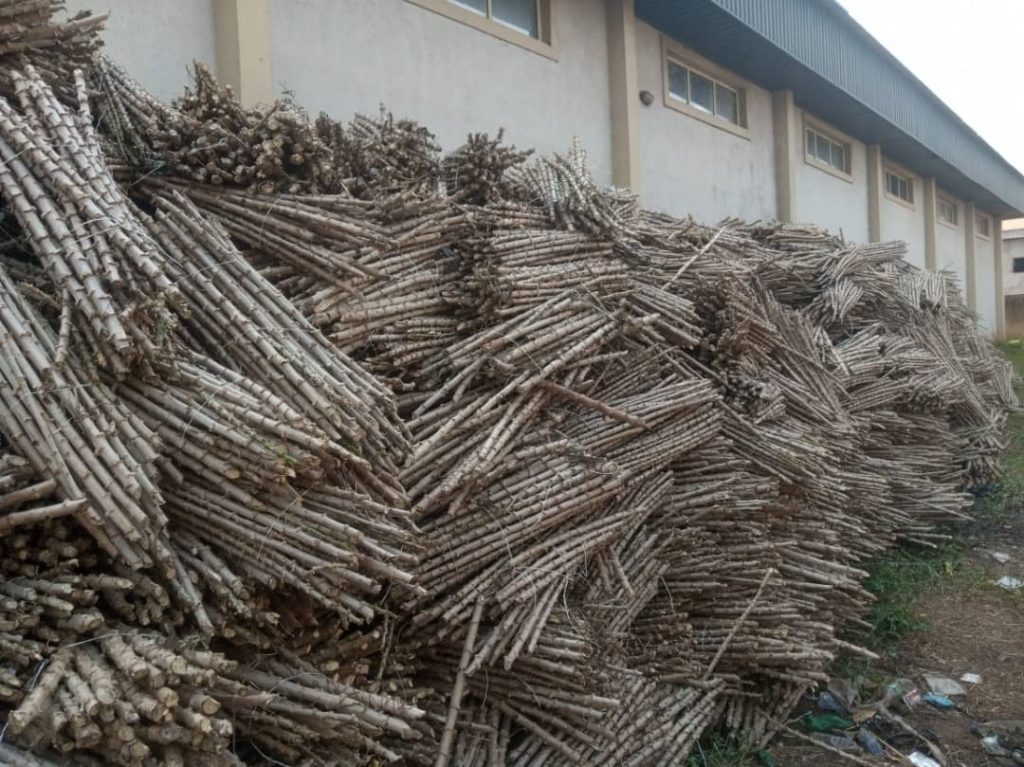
pixel 758 109
pixel 1013 280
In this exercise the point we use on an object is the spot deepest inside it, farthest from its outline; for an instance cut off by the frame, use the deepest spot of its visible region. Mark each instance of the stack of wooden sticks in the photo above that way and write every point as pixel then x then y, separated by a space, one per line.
pixel 426 460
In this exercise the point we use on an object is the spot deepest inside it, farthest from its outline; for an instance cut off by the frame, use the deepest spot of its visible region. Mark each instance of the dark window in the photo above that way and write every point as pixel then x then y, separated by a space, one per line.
pixel 949 212
pixel 703 93
pixel 520 15
pixel 828 151
pixel 983 226
pixel 1018 265
pixel 899 186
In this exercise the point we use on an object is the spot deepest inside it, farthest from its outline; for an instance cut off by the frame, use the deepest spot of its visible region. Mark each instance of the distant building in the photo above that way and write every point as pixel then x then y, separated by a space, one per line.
pixel 1013 280
pixel 760 109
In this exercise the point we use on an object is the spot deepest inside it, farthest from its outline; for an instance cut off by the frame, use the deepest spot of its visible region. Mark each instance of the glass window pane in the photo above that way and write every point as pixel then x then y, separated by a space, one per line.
pixel 838 157
pixel 677 87
pixel 702 92
pixel 810 142
pixel 521 15
pixel 1018 265
pixel 727 104
pixel 822 152
pixel 477 6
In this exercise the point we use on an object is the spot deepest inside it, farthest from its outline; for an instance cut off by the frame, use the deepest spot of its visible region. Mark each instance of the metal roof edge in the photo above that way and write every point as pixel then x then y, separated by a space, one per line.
pixel 846 18
pixel 834 66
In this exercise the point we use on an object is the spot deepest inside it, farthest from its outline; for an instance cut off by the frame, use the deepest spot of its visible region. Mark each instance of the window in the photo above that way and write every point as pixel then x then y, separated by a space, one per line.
pixel 899 187
pixel 948 211
pixel 526 23
pixel 1018 265
pixel 983 226
pixel 520 15
pixel 827 151
pixel 704 94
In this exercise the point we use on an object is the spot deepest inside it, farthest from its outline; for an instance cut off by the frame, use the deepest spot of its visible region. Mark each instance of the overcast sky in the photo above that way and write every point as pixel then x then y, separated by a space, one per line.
pixel 969 52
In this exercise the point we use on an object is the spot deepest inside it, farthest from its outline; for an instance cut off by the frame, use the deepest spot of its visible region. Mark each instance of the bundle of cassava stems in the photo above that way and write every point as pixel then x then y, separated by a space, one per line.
pixel 317 447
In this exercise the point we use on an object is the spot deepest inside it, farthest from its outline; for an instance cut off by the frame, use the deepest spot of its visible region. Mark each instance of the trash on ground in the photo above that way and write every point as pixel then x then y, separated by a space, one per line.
pixel 1000 557
pixel 938 701
pixel 844 689
pixel 943 685
pixel 868 740
pixel 827 722
pixel 840 742
pixel 1010 583
pixel 1010 731
pixel 912 699
pixel 829 702
pixel 994 746
pixel 971 678
pixel 922 760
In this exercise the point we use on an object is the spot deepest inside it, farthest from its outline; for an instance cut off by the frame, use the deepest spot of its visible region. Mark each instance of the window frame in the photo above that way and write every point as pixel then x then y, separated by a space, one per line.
pixel 546 44
pixel 890 169
pixel 979 217
pixel 835 138
pixel 673 53
pixel 940 200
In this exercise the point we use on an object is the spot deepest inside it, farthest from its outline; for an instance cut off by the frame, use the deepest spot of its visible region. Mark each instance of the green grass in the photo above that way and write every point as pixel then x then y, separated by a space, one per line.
pixel 717 749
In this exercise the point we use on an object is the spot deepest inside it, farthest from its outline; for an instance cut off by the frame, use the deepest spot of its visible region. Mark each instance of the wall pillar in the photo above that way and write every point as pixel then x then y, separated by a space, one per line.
pixel 784 127
pixel 970 257
pixel 997 252
pixel 875 181
pixel 931 258
pixel 624 94
pixel 243 48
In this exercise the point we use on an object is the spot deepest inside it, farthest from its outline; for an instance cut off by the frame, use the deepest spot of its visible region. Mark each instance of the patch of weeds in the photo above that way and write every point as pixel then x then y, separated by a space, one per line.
pixel 718 749
pixel 898 580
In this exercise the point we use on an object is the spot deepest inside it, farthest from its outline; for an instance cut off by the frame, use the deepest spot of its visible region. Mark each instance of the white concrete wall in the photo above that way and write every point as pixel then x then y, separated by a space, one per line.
pixel 950 245
pixel 1013 282
pixel 1013 286
pixel 985 280
pixel 823 198
pixel 350 56
pixel 688 166
pixel 156 41
pixel 903 222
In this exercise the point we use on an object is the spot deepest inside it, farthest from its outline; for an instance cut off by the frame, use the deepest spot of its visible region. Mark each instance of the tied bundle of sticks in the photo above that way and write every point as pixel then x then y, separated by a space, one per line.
pixel 438 460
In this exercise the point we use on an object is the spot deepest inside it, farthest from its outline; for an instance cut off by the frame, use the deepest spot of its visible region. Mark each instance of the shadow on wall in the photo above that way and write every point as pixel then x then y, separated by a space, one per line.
pixel 1015 316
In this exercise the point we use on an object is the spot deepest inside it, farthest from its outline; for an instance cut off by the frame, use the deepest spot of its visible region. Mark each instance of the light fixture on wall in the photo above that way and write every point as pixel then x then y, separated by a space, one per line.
pixel 646 98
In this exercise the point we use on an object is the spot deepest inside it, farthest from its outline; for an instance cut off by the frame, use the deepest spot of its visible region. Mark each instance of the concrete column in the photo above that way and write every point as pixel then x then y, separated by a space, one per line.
pixel 243 48
pixel 784 128
pixel 875 181
pixel 931 258
pixel 997 251
pixel 624 92
pixel 970 256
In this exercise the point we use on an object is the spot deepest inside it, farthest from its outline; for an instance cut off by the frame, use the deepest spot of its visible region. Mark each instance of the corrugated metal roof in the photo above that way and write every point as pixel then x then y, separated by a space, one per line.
pixel 840 73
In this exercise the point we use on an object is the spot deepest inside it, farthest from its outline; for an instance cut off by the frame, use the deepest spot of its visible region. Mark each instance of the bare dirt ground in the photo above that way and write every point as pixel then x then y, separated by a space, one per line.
pixel 972 626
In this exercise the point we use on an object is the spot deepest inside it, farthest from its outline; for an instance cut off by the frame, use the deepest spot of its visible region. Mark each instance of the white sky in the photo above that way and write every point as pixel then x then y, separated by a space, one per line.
pixel 969 52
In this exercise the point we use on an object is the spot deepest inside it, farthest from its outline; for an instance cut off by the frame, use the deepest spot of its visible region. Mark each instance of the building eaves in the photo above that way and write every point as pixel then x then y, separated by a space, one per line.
pixel 1013 234
pixel 840 73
